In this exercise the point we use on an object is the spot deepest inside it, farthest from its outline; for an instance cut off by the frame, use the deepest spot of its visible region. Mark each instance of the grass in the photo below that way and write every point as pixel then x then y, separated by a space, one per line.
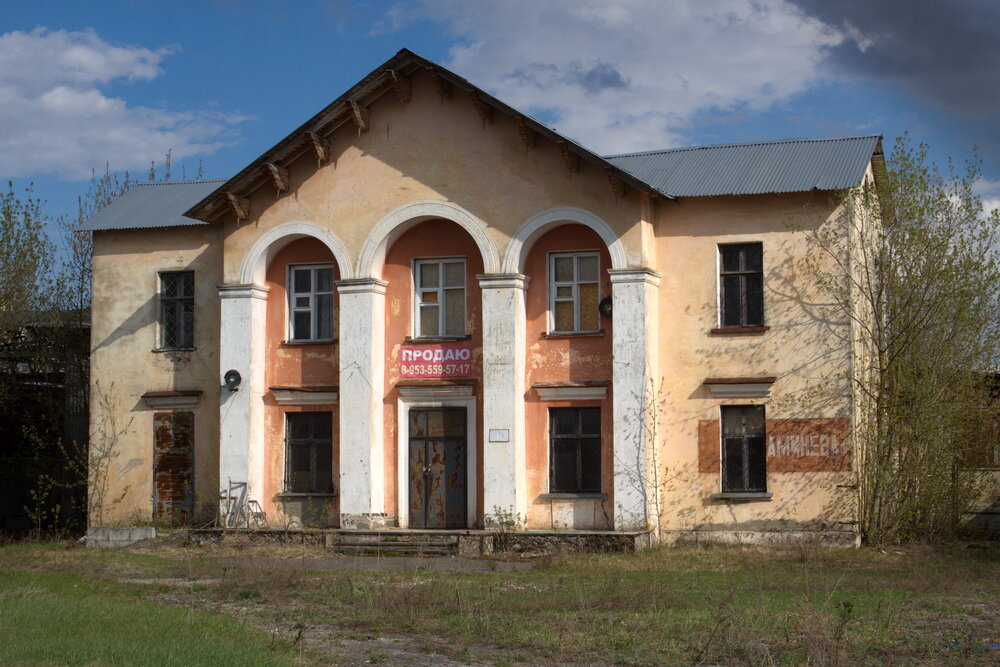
pixel 676 606
pixel 59 618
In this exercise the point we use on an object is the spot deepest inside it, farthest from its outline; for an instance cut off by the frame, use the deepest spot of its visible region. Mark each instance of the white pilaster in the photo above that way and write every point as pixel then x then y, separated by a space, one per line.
pixel 505 497
pixel 362 381
pixel 636 380
pixel 241 413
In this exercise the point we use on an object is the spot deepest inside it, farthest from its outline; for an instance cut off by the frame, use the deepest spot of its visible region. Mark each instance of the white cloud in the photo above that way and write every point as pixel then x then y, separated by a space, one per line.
pixel 54 117
pixel 630 74
pixel 989 192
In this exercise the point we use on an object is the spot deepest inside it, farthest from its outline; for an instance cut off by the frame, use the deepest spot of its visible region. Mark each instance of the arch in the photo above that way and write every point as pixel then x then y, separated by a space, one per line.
pixel 392 226
pixel 517 249
pixel 255 262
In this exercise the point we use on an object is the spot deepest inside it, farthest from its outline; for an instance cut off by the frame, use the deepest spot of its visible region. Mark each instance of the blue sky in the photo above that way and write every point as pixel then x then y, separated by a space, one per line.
pixel 83 84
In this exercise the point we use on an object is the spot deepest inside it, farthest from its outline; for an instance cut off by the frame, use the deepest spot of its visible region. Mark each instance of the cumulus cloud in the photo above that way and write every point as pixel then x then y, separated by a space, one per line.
pixel 55 118
pixel 631 74
pixel 989 192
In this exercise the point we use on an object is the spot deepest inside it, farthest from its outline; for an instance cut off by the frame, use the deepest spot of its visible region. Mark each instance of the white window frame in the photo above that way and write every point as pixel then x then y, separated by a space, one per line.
pixel 575 285
pixel 311 308
pixel 440 290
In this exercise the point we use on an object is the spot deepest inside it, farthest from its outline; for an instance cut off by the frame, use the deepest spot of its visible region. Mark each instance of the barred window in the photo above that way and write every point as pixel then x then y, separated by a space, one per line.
pixel 177 309
pixel 574 450
pixel 744 465
pixel 309 452
pixel 741 284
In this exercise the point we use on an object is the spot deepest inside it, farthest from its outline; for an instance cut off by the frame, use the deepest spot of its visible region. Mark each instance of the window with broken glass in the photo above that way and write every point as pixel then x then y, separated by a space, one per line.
pixel 574 292
pixel 440 297
pixel 310 306
pixel 177 309
pixel 574 450
pixel 744 467
pixel 741 284
pixel 309 452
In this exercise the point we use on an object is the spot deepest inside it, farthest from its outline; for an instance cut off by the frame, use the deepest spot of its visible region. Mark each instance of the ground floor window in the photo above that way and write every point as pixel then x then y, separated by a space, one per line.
pixel 744 466
pixel 309 452
pixel 574 450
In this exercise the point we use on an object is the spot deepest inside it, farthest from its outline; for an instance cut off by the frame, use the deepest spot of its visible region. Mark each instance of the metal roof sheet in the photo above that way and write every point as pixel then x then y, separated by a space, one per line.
pixel 793 165
pixel 159 204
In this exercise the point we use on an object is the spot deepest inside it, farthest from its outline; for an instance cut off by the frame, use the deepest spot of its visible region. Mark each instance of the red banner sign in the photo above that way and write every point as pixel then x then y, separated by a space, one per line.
pixel 436 361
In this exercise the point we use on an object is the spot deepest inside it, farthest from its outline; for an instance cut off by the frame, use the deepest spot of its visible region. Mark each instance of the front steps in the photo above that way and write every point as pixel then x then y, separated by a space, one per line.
pixel 415 542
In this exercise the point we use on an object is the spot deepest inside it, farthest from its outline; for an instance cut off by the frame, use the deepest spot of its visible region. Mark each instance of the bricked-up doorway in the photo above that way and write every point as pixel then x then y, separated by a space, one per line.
pixel 173 466
pixel 438 460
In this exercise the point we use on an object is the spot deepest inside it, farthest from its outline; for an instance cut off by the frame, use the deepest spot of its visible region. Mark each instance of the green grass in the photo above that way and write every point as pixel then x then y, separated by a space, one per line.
pixel 671 606
pixel 62 619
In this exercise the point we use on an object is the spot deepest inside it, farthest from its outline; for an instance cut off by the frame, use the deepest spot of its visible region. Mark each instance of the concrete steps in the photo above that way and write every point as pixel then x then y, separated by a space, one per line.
pixel 391 543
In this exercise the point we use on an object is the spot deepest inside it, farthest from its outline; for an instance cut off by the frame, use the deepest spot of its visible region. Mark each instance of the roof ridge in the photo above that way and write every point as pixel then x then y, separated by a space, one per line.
pixel 194 181
pixel 742 143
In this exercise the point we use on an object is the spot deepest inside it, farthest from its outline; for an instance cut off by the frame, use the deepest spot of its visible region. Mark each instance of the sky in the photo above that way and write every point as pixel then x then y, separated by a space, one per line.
pixel 218 82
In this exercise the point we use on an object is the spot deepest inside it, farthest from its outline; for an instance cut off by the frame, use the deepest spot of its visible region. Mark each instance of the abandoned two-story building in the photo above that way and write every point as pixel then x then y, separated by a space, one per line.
pixel 424 309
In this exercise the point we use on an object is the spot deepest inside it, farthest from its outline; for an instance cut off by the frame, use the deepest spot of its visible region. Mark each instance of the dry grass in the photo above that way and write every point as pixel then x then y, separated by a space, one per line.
pixel 800 604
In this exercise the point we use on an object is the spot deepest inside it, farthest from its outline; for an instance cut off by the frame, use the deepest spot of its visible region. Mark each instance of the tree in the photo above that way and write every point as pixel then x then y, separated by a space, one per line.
pixel 914 266
pixel 26 257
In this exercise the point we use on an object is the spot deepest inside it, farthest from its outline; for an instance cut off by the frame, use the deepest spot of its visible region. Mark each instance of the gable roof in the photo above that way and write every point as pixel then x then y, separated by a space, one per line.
pixel 793 165
pixel 148 205
pixel 379 82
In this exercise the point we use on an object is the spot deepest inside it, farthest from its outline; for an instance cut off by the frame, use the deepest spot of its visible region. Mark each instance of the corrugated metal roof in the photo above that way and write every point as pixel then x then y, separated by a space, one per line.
pixel 794 165
pixel 160 204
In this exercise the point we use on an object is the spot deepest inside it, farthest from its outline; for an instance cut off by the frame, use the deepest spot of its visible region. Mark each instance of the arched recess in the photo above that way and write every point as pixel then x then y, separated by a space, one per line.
pixel 517 249
pixel 392 226
pixel 254 266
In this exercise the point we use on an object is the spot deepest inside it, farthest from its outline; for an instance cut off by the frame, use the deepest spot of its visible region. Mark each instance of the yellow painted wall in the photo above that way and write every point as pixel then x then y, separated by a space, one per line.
pixel 124 365
pixel 805 348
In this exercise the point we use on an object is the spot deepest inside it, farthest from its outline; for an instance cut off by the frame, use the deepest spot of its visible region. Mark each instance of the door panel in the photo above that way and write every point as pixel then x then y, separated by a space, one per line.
pixel 173 463
pixel 438 471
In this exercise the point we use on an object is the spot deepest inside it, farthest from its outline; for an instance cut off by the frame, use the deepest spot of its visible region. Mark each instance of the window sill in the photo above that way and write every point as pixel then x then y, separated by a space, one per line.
pixel 295 343
pixel 571 496
pixel 742 495
pixel 726 331
pixel 173 349
pixel 573 334
pixel 287 495
pixel 435 339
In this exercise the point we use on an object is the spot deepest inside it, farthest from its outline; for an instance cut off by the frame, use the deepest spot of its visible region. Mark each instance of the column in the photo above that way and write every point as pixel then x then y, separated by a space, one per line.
pixel 241 412
pixel 505 500
pixel 636 382
pixel 362 380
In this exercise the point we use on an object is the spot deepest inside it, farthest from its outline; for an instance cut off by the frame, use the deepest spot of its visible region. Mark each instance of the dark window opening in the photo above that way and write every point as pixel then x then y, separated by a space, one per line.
pixel 575 450
pixel 308 452
pixel 744 466
pixel 177 309
pixel 741 280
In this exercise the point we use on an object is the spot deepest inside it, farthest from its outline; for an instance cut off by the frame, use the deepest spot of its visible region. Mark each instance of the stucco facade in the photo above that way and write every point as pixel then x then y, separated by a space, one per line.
pixel 428 177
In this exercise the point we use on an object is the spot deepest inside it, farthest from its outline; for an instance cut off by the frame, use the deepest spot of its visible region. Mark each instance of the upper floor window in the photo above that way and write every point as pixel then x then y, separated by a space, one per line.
pixel 177 309
pixel 741 283
pixel 440 297
pixel 744 466
pixel 310 302
pixel 574 292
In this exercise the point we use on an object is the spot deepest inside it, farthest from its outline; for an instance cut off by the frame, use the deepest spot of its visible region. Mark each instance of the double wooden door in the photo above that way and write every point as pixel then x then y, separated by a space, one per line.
pixel 438 468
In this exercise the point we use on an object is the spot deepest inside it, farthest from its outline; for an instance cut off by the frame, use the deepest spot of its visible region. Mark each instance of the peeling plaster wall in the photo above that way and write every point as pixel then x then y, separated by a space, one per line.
pixel 296 365
pixel 431 149
pixel 564 359
pixel 124 365
pixel 807 348
pixel 435 238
